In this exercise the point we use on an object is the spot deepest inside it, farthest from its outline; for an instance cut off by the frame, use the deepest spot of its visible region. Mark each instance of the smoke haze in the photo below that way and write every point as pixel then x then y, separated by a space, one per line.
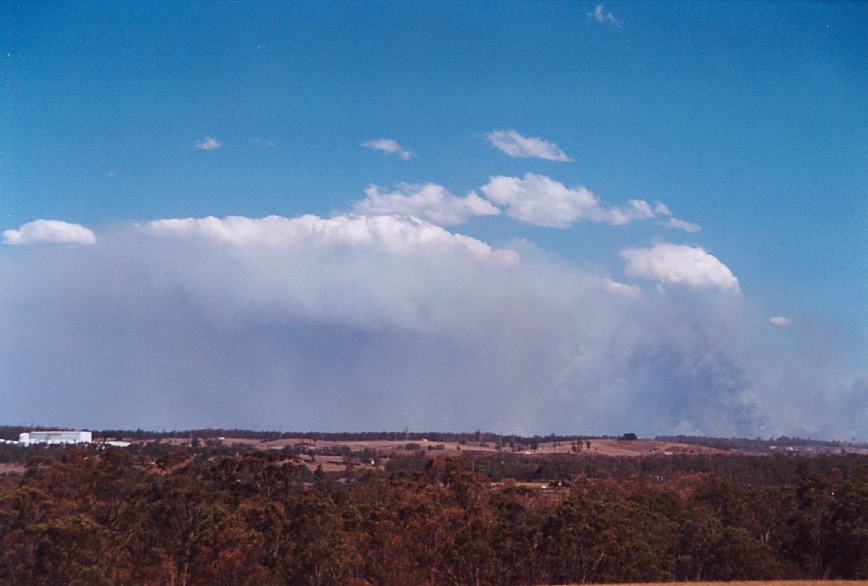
pixel 386 322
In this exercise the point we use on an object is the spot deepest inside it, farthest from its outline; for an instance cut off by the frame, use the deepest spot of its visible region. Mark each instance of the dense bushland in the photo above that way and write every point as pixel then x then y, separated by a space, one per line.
pixel 118 517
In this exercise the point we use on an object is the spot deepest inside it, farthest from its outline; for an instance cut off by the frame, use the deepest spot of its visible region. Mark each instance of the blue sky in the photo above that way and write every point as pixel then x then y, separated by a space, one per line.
pixel 747 119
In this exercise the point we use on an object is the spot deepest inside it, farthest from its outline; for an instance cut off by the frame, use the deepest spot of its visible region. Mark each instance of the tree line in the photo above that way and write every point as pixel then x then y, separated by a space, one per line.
pixel 112 516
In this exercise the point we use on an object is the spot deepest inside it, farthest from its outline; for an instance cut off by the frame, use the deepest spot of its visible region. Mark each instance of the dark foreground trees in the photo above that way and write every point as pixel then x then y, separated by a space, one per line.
pixel 112 517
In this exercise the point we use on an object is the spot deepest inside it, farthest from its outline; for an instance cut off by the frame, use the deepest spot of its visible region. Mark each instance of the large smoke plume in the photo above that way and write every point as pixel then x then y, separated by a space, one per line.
pixel 383 322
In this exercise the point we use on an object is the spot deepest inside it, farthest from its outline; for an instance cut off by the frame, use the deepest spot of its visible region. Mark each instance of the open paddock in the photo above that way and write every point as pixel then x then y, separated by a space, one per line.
pixel 584 448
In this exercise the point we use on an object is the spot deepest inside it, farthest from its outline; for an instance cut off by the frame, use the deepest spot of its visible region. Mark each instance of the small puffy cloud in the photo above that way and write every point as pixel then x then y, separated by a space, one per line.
pixel 661 209
pixel 621 288
pixel 635 210
pixel 49 231
pixel 542 201
pixel 780 321
pixel 603 16
pixel 429 202
pixel 209 144
pixel 679 264
pixel 515 145
pixel 679 224
pixel 390 146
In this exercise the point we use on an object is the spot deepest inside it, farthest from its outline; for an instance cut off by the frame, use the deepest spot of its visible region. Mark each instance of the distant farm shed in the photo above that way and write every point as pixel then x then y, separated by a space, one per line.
pixel 54 437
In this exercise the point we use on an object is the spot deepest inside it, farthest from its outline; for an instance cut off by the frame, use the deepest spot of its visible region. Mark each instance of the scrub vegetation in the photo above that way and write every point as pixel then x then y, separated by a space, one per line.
pixel 163 514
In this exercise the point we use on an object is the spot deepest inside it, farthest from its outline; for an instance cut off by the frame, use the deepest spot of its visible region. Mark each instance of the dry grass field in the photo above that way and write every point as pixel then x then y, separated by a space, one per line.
pixel 598 447
pixel 313 458
pixel 614 447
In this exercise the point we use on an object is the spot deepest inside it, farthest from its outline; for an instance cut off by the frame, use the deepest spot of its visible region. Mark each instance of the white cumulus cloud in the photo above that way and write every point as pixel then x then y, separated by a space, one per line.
pixel 390 146
pixel 603 16
pixel 621 288
pixel 49 231
pixel 679 264
pixel 679 224
pixel 209 144
pixel 781 321
pixel 662 210
pixel 515 145
pixel 635 210
pixel 430 202
pixel 542 201
pixel 394 234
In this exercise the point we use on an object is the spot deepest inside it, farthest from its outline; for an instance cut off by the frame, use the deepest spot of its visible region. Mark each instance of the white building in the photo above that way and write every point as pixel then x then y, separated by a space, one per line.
pixel 117 443
pixel 54 437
